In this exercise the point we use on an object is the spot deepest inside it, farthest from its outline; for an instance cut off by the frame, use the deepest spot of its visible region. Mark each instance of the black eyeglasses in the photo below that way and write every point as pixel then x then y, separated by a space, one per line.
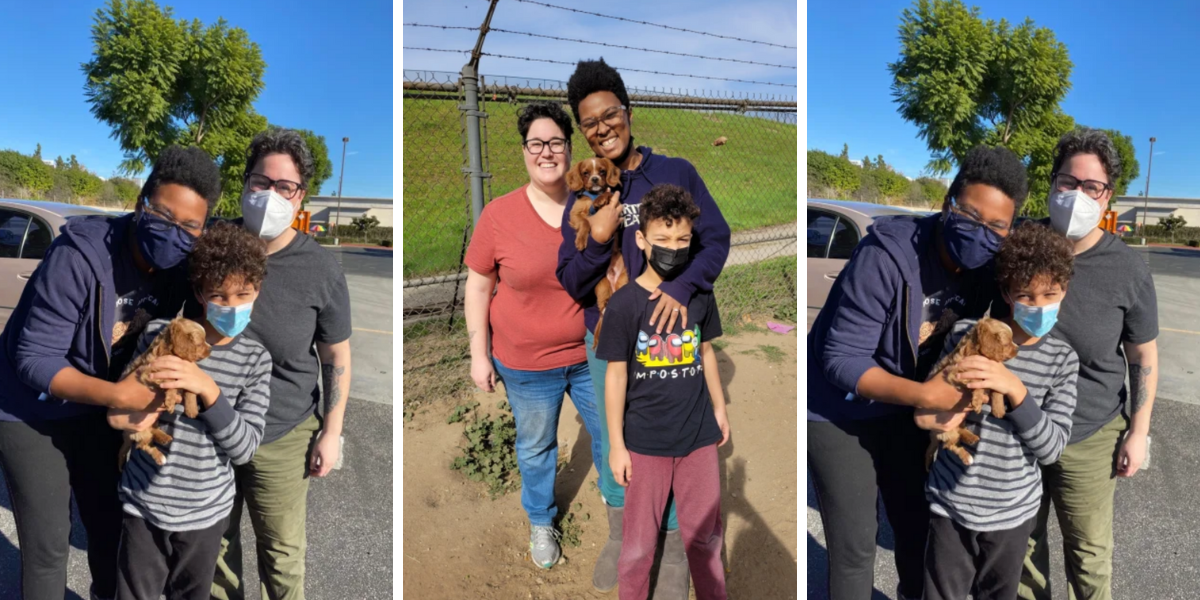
pixel 258 182
pixel 972 221
pixel 611 117
pixel 535 146
pixel 1065 183
pixel 164 221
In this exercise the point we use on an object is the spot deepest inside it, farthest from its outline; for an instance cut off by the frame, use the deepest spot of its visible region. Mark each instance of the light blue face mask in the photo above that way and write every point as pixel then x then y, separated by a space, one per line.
pixel 1037 321
pixel 229 320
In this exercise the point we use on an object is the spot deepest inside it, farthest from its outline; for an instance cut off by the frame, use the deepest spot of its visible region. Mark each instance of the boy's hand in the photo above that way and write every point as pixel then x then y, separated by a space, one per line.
pixel 604 223
pixel 941 396
pixel 723 423
pixel 133 395
pixel 938 420
pixel 979 372
pixel 621 464
pixel 172 372
pixel 132 420
pixel 666 311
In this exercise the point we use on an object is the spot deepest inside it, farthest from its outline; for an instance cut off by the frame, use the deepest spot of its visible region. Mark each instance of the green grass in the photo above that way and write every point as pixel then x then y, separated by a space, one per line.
pixel 763 289
pixel 752 177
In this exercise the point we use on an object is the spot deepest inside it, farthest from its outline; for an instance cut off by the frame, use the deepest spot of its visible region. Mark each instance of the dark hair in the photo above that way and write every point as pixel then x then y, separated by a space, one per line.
pixel 1034 251
pixel 224 251
pixel 1086 140
pixel 593 76
pixel 543 109
pixel 190 167
pixel 669 203
pixel 997 167
pixel 278 140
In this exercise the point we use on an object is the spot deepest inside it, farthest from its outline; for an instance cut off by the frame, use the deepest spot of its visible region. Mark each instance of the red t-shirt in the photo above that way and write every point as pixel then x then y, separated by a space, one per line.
pixel 535 324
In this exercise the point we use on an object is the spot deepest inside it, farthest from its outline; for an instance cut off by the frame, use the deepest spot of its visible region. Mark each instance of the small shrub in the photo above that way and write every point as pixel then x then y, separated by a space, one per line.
pixel 385 243
pixel 570 528
pixel 491 454
pixel 460 412
pixel 1194 243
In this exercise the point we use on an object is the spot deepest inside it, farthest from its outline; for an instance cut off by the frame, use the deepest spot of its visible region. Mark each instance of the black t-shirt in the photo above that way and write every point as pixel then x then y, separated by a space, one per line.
pixel 668 410
pixel 944 305
pixel 140 299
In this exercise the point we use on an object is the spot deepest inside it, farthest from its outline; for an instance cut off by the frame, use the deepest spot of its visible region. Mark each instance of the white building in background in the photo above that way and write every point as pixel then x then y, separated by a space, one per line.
pixel 324 209
pixel 1130 209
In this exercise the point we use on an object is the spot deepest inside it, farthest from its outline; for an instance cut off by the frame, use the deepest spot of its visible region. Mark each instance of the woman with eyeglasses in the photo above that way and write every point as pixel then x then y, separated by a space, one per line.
pixel 302 318
pixel 63 351
pixel 870 351
pixel 1110 319
pixel 529 334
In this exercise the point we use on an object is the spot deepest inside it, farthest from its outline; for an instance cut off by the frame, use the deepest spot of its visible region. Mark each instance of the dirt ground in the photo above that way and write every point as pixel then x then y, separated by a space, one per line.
pixel 458 543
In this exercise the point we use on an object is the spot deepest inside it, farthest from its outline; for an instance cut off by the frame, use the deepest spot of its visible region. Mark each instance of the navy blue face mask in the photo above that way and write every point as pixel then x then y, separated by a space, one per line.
pixel 969 243
pixel 163 243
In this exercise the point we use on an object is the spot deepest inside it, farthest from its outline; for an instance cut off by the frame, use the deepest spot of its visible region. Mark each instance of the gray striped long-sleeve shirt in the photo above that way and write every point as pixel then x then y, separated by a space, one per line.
pixel 194 488
pixel 1002 487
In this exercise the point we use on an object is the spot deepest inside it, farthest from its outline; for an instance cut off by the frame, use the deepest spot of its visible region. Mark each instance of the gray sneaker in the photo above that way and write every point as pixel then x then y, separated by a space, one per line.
pixel 543 546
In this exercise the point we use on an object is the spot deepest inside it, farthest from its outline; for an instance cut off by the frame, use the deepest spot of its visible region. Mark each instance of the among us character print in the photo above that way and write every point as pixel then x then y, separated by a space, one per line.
pixel 654 350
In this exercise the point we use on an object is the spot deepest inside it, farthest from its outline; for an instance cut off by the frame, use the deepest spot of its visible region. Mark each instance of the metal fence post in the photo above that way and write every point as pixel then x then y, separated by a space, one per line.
pixel 474 148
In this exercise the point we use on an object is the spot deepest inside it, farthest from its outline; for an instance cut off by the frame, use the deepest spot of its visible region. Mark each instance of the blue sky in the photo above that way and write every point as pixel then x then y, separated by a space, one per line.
pixel 764 20
pixel 329 69
pixel 1134 71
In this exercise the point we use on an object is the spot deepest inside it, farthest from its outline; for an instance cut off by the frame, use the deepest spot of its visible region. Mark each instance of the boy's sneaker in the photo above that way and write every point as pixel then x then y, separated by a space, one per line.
pixel 543 545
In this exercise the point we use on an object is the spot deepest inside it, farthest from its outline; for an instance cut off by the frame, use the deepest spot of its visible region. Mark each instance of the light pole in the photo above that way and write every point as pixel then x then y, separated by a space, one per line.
pixel 1146 197
pixel 341 175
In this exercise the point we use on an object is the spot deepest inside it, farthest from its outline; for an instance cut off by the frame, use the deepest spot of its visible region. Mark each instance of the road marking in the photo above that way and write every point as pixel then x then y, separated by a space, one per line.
pixel 385 332
pixel 1180 330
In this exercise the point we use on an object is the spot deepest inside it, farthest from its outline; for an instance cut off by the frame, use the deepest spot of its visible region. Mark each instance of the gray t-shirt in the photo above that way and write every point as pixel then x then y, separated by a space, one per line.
pixel 1110 301
pixel 304 300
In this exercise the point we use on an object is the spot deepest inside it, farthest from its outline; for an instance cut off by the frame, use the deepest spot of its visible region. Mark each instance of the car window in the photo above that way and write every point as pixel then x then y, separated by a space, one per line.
pixel 820 228
pixel 12 231
pixel 37 240
pixel 845 238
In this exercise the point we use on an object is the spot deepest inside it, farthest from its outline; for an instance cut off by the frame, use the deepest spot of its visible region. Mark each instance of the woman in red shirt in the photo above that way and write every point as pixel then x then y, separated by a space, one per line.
pixel 534 327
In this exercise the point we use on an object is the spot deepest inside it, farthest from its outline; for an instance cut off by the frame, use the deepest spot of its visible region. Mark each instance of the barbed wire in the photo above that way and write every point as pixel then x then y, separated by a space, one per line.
pixel 563 62
pixel 563 39
pixel 724 37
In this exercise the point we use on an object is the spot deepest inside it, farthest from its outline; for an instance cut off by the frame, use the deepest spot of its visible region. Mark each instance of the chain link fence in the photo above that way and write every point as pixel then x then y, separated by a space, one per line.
pixel 743 146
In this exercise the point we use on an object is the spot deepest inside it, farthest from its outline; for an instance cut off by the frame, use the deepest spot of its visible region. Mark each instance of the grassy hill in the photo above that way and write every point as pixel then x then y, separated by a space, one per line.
pixel 752 177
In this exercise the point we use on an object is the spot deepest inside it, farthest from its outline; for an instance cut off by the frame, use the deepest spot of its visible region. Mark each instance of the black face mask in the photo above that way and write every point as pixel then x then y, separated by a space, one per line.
pixel 669 263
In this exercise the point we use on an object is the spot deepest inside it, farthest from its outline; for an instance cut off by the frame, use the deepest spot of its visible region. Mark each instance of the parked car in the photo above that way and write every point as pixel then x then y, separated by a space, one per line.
pixel 27 228
pixel 834 230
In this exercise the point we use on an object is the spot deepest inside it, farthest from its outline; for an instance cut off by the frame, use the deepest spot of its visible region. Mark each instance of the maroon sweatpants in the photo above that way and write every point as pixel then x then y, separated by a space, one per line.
pixel 696 481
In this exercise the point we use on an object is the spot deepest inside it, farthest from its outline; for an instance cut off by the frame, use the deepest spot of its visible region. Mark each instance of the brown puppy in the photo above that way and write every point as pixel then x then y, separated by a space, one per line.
pixel 592 181
pixel 992 339
pixel 183 338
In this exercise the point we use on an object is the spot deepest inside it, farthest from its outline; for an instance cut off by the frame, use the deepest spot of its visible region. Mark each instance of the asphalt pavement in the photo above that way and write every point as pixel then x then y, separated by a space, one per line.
pixel 349 512
pixel 1155 517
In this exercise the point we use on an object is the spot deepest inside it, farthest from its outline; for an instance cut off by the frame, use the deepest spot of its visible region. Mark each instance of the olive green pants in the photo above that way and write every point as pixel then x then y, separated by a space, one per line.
pixel 275 486
pixel 1082 485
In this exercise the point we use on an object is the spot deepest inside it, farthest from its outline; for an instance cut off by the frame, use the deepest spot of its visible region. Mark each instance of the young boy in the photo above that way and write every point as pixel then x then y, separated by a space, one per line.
pixel 983 513
pixel 175 513
pixel 665 408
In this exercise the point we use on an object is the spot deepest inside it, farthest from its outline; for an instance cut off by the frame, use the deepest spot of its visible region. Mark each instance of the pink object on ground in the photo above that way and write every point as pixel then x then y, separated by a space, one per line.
pixel 779 328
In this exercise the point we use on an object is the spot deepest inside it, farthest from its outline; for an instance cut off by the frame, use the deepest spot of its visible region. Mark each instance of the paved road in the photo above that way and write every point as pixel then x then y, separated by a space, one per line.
pixel 350 512
pixel 1155 512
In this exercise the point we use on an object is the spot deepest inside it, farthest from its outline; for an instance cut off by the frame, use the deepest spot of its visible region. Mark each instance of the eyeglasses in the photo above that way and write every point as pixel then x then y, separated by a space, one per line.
pixel 165 221
pixel 535 146
pixel 258 182
pixel 1091 187
pixel 972 221
pixel 611 117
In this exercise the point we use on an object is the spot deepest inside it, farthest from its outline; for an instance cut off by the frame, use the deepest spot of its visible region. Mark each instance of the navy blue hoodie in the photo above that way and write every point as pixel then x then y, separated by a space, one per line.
pixel 65 318
pixel 872 318
pixel 579 272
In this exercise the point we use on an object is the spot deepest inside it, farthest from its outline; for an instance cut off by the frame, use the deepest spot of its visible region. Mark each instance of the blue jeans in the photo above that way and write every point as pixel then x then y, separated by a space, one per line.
pixel 614 494
pixel 536 398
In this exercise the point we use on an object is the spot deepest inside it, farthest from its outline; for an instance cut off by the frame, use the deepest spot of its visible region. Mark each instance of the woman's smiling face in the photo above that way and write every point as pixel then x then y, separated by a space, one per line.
pixel 546 168
pixel 605 124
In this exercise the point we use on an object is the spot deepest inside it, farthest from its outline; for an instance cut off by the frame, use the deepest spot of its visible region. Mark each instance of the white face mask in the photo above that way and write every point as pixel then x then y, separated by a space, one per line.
pixel 1074 213
pixel 267 214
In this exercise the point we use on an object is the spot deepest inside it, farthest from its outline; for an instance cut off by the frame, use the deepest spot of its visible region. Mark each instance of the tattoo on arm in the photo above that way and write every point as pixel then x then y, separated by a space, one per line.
pixel 471 335
pixel 1139 392
pixel 333 386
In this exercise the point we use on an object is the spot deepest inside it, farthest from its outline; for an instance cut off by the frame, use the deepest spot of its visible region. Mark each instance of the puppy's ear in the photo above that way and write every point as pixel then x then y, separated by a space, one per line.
pixel 614 174
pixel 574 179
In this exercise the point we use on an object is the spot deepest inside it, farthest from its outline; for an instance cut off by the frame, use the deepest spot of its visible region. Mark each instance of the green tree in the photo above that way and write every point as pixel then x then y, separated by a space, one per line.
pixel 28 173
pixel 965 81
pixel 879 164
pixel 73 163
pixel 1130 169
pixel 59 164
pixel 932 190
pixel 866 163
pixel 158 81
pixel 322 165
pixel 38 153
pixel 845 152
pixel 830 174
pixel 1172 224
